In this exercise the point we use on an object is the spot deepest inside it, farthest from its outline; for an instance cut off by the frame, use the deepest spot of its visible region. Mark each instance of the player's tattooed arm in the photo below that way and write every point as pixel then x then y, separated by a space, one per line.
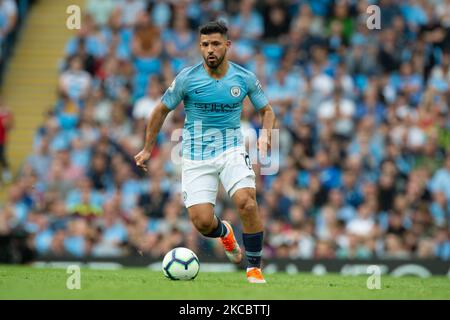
pixel 268 123
pixel 154 125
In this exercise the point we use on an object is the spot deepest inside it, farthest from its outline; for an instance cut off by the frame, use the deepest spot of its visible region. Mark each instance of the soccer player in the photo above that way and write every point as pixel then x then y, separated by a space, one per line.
pixel 212 147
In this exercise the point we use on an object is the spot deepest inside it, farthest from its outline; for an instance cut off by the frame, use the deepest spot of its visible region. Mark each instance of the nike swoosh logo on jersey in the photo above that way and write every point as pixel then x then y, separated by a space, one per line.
pixel 198 91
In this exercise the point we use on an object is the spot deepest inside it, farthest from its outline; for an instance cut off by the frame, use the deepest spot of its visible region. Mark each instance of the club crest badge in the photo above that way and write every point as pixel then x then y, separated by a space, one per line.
pixel 235 91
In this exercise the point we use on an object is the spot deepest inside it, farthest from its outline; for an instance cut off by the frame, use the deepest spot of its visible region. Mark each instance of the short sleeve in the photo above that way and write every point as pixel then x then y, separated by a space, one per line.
pixel 175 93
pixel 255 92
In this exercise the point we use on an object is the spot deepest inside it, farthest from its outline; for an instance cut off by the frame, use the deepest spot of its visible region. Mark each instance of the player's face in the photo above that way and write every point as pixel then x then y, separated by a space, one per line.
pixel 214 48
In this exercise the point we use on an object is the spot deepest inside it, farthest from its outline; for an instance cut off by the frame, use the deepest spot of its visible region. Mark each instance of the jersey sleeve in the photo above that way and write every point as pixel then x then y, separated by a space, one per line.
pixel 256 93
pixel 175 93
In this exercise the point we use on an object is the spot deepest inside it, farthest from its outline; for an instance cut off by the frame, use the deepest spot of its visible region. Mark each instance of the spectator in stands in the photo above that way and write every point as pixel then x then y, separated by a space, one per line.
pixel 144 106
pixel 88 37
pixel 75 83
pixel 395 248
pixel 338 113
pixel 100 10
pixel 248 24
pixel 6 124
pixel 180 43
pixel 129 10
pixel 276 20
pixel 8 17
pixel 113 232
pixel 441 179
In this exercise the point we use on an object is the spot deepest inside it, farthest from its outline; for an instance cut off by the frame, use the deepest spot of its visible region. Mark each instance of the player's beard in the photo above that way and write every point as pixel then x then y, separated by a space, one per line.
pixel 215 63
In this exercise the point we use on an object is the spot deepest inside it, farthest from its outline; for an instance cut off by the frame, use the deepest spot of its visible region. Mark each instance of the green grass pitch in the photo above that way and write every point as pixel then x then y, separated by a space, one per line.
pixel 22 282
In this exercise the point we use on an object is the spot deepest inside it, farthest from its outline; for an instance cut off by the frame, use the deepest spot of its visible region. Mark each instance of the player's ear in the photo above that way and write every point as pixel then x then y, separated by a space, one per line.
pixel 228 43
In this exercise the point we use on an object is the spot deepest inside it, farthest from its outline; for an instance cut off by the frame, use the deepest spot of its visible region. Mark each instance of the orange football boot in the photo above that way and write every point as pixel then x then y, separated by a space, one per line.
pixel 232 249
pixel 254 275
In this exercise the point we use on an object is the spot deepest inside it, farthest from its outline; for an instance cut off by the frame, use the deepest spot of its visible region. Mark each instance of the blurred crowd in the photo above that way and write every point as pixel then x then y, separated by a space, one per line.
pixel 363 117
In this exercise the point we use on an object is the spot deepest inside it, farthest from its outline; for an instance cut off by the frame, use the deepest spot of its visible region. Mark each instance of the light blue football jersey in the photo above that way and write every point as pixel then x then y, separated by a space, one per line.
pixel 213 108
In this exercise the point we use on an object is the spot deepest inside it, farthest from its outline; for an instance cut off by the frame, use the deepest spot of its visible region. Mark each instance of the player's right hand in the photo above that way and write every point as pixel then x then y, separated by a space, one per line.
pixel 141 159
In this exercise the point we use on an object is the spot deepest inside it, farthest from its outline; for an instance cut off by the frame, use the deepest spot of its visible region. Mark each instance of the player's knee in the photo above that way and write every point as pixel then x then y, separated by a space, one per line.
pixel 202 224
pixel 247 205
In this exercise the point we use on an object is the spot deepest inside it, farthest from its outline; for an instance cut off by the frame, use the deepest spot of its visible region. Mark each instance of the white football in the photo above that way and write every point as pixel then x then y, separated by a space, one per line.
pixel 180 264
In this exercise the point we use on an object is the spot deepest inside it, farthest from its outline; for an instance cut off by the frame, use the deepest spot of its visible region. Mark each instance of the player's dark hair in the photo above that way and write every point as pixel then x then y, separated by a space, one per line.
pixel 214 27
